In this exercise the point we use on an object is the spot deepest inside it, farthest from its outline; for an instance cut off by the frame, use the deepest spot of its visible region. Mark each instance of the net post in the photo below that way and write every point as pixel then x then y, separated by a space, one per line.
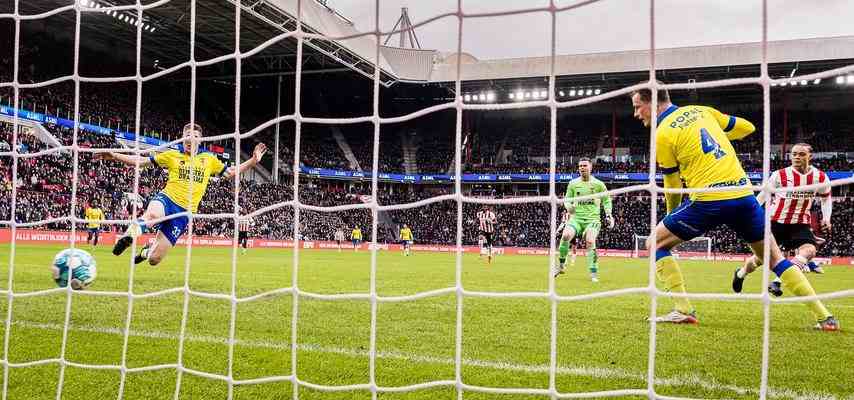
pixel 236 202
pixel 458 269
pixel 136 176
pixel 10 297
pixel 552 208
pixel 654 189
pixel 375 155
pixel 297 204
pixel 766 167
pixel 72 205
pixel 186 303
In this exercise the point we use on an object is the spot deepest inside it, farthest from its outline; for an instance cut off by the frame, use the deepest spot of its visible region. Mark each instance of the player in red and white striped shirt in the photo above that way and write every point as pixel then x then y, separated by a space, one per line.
pixel 486 225
pixel 244 226
pixel 791 218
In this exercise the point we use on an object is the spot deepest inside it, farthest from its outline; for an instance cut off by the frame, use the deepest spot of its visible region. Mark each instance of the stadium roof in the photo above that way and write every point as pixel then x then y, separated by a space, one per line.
pixel 628 61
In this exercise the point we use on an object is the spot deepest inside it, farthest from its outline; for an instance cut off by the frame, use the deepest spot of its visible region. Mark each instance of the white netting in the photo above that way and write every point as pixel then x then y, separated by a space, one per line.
pixel 551 103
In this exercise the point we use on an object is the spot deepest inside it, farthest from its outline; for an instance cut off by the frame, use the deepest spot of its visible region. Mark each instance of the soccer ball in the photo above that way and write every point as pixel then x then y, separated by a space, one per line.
pixel 81 264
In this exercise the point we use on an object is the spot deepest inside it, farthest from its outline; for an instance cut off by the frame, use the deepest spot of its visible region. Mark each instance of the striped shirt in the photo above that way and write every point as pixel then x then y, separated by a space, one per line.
pixel 794 207
pixel 245 225
pixel 486 221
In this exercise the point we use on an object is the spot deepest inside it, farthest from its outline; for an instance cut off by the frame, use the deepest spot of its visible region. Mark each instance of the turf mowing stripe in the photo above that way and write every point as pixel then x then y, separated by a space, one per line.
pixel 692 380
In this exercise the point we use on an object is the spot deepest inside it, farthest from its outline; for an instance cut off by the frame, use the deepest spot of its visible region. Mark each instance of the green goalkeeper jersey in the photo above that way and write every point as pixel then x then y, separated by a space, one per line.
pixel 587 210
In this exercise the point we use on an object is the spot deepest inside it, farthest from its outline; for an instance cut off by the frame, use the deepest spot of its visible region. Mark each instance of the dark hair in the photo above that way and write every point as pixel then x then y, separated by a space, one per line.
pixel 802 144
pixel 646 94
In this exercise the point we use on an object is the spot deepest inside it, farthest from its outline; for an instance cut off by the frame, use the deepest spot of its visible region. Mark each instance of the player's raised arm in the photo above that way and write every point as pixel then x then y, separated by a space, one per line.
pixel 124 158
pixel 734 127
pixel 257 155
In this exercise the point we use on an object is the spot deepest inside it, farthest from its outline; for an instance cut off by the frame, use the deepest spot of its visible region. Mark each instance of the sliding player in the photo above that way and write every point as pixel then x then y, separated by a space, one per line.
pixel 790 221
pixel 189 174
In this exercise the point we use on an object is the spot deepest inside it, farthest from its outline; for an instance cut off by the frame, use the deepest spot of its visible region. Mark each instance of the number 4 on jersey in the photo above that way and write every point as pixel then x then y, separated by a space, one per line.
pixel 710 145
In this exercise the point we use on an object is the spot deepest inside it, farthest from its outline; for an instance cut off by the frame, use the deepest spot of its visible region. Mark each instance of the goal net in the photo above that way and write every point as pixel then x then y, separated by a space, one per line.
pixel 178 365
pixel 696 248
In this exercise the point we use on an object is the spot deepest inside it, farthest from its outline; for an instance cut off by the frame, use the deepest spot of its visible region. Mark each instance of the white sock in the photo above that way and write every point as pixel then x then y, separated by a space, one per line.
pixel 742 272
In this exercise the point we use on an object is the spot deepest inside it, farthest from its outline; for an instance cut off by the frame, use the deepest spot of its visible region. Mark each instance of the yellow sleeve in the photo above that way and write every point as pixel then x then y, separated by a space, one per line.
pixel 216 166
pixel 669 167
pixel 163 159
pixel 664 155
pixel 735 128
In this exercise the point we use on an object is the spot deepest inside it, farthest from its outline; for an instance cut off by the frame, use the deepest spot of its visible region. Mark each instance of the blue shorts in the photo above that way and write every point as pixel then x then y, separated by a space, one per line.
pixel 356 242
pixel 93 231
pixel 175 227
pixel 743 215
pixel 407 242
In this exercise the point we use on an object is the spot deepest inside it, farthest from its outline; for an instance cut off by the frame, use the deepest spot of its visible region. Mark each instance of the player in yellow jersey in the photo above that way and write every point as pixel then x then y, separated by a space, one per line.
pixel 356 237
pixel 189 175
pixel 693 143
pixel 93 214
pixel 406 239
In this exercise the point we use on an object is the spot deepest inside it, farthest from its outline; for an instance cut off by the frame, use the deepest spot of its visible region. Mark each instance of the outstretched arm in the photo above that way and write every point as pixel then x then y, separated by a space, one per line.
pixel 124 158
pixel 257 155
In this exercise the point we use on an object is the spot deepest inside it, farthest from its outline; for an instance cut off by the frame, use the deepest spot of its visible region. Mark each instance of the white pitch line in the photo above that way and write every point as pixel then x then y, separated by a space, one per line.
pixel 692 380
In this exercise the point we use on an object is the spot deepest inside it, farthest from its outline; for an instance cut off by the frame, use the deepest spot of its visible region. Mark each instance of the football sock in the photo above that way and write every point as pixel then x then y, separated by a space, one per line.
pixel 592 259
pixel 564 249
pixel 796 282
pixel 668 272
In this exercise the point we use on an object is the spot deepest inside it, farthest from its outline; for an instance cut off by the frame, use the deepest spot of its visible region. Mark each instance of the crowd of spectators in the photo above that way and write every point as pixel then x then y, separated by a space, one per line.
pixel 44 192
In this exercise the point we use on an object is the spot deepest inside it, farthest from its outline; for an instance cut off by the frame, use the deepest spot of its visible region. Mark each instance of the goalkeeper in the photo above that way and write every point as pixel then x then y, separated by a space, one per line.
pixel 585 216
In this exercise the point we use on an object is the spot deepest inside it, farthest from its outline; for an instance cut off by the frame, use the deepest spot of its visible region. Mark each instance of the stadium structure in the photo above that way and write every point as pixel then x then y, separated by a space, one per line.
pixel 336 82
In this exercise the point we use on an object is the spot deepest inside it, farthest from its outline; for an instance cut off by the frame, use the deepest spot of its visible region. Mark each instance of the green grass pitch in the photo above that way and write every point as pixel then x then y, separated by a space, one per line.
pixel 602 344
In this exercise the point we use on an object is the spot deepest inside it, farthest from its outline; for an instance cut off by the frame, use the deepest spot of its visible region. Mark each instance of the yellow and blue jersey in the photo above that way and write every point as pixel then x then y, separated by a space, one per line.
pixel 183 167
pixel 695 142
pixel 406 234
pixel 356 234
pixel 93 214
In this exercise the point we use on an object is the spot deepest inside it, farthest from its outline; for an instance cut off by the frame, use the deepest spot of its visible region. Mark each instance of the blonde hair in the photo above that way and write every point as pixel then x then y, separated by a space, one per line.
pixel 193 127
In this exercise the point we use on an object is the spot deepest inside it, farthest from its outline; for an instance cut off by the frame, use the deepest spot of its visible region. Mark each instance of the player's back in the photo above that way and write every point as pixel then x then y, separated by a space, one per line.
pixel 693 138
